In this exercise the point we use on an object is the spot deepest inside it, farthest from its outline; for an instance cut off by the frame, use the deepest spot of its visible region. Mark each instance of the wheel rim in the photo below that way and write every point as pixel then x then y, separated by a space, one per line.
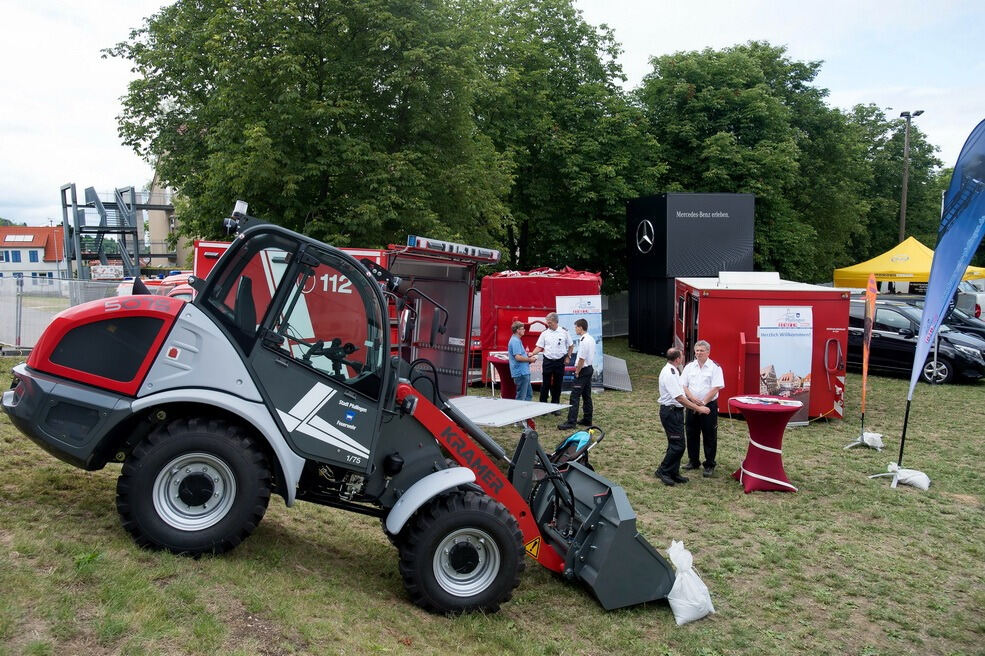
pixel 935 372
pixel 466 562
pixel 194 491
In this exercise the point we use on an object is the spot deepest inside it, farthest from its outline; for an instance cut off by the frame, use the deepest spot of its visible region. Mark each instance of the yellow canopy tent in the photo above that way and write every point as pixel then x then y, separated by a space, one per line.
pixel 908 261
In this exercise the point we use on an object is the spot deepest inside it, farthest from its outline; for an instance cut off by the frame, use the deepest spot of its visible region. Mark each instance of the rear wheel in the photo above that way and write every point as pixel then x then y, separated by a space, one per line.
pixel 939 372
pixel 462 552
pixel 193 486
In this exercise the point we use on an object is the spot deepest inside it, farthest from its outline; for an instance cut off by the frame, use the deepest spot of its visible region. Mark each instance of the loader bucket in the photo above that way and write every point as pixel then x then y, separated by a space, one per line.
pixel 602 546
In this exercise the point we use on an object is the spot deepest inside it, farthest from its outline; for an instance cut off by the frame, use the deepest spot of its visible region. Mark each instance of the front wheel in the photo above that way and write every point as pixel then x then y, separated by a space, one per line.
pixel 939 372
pixel 463 552
pixel 193 486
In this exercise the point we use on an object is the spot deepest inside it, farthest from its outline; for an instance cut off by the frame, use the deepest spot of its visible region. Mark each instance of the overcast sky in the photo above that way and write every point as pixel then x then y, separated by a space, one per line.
pixel 60 99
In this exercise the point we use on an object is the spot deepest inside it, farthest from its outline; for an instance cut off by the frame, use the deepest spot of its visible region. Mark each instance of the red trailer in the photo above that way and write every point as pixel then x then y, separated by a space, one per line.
pixel 770 336
pixel 526 296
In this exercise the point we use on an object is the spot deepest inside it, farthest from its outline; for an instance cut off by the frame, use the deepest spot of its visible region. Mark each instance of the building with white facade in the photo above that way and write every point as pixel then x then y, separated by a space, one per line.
pixel 31 252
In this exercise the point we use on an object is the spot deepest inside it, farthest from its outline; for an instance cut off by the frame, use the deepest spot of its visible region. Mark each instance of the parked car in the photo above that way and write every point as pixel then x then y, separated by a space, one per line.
pixel 958 319
pixel 184 292
pixel 970 298
pixel 894 342
pixel 172 281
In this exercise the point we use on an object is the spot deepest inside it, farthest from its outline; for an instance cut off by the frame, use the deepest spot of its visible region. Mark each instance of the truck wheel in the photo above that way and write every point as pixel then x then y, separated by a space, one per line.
pixel 941 373
pixel 193 486
pixel 462 552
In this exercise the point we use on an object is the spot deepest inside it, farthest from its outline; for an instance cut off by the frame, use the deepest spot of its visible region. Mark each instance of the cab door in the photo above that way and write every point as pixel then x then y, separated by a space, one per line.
pixel 321 357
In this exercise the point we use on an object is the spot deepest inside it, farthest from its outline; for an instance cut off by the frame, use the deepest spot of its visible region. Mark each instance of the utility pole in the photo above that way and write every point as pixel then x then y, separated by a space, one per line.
pixel 906 170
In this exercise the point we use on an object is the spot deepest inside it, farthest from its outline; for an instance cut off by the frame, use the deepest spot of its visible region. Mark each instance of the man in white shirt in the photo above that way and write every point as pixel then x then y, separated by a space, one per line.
pixel 673 400
pixel 703 380
pixel 556 345
pixel 581 389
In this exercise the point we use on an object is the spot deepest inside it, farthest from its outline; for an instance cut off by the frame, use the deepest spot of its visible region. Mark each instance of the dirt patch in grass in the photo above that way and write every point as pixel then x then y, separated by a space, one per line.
pixel 252 632
pixel 967 499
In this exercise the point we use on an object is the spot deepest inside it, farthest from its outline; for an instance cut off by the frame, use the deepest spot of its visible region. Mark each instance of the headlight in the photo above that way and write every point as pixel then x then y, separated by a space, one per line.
pixel 971 352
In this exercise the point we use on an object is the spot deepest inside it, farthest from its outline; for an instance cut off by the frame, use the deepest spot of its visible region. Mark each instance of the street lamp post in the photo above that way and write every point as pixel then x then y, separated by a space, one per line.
pixel 906 169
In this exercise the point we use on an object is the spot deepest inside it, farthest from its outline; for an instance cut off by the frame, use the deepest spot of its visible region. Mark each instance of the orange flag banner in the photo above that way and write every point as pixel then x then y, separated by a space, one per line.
pixel 870 315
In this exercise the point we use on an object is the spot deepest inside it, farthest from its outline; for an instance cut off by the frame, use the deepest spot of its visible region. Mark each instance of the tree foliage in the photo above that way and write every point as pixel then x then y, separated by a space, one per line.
pixel 884 141
pixel 747 119
pixel 579 148
pixel 351 122
pixel 503 123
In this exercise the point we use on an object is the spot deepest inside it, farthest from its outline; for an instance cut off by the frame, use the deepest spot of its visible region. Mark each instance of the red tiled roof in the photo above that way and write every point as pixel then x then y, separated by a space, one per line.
pixel 50 239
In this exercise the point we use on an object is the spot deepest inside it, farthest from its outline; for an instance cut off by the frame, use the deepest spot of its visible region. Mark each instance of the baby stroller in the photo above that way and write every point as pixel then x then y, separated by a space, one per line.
pixel 573 448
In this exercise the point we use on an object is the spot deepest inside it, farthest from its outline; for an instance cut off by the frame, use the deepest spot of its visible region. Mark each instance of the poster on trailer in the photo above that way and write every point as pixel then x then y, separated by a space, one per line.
pixel 786 336
pixel 589 308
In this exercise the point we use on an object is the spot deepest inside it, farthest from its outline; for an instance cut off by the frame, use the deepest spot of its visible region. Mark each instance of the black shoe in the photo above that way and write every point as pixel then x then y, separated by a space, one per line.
pixel 568 425
pixel 667 480
pixel 585 422
pixel 691 465
pixel 708 472
pixel 680 479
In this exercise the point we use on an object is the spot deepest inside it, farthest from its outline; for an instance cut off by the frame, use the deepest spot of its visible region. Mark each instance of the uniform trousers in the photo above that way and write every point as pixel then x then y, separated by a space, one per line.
pixel 697 426
pixel 581 390
pixel 553 377
pixel 672 419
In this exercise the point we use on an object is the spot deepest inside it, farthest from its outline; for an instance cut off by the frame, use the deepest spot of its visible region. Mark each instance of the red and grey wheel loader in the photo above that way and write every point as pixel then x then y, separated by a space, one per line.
pixel 280 377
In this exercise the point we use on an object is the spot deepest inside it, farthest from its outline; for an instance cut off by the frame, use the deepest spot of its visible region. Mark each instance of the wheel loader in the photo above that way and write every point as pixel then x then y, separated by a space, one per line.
pixel 284 376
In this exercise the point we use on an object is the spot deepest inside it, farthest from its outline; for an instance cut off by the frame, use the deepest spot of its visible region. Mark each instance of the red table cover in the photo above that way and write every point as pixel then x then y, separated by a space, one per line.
pixel 766 417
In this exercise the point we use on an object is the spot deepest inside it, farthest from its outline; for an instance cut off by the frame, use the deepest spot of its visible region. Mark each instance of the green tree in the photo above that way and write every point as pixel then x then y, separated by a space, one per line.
pixel 747 119
pixel 552 103
pixel 351 122
pixel 884 140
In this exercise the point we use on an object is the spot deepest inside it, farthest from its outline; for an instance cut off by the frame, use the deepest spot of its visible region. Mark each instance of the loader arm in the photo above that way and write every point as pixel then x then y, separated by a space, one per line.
pixel 493 482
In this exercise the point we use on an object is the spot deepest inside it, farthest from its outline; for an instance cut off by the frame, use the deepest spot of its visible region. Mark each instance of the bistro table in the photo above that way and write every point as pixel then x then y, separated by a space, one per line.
pixel 766 416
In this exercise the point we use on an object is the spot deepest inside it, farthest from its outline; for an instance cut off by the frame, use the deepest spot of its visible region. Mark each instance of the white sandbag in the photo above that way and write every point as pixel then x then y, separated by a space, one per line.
pixel 911 477
pixel 689 598
pixel 872 440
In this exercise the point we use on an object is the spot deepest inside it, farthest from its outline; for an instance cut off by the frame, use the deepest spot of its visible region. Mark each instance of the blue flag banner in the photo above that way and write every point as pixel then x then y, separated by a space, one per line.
pixel 961 230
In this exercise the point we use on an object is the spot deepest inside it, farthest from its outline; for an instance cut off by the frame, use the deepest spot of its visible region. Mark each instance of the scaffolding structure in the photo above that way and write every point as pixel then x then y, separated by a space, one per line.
pixel 119 216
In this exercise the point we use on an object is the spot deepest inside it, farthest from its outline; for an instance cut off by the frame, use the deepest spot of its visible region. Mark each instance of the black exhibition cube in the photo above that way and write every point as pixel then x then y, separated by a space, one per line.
pixel 677 235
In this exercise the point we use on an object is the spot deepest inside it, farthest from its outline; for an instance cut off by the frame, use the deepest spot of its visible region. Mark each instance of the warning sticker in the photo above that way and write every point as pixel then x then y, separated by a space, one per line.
pixel 533 548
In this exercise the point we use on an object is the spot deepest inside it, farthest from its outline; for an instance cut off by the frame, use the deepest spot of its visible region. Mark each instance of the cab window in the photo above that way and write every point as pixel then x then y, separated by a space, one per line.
pixel 332 322
pixel 242 294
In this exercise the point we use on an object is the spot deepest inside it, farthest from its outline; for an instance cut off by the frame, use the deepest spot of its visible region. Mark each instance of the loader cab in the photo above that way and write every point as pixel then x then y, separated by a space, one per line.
pixel 313 328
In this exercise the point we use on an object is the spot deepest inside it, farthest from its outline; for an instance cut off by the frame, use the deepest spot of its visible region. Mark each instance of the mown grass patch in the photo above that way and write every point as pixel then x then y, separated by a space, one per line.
pixel 845 566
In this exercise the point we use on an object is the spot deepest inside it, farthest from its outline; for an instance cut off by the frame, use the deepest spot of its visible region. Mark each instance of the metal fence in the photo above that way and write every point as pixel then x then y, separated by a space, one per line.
pixel 27 305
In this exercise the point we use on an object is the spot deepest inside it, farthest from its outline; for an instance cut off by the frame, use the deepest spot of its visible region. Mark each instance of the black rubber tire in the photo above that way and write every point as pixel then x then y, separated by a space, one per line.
pixel 468 515
pixel 206 445
pixel 944 373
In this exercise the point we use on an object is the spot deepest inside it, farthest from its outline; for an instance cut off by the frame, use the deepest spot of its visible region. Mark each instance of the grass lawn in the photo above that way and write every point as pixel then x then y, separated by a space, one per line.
pixel 845 566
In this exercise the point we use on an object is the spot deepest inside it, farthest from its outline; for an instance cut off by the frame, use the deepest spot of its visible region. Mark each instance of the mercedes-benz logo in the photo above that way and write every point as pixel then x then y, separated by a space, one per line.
pixel 644 236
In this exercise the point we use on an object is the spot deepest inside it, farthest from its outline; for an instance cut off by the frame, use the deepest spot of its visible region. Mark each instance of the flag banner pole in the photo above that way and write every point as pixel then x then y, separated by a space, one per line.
pixel 869 317
pixel 895 472
pixel 902 439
